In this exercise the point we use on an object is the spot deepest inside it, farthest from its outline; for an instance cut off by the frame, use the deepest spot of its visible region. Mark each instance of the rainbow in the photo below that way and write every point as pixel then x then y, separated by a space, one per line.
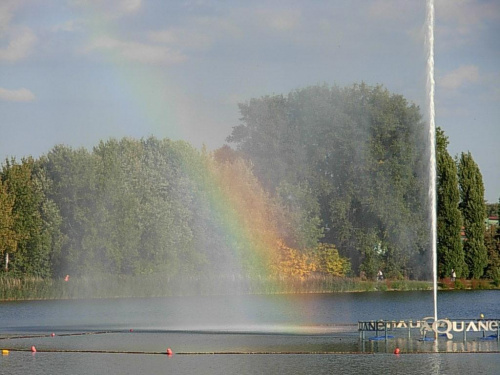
pixel 235 196
pixel 231 190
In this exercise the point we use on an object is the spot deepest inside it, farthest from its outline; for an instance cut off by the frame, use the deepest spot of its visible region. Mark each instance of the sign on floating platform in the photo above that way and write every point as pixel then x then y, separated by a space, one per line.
pixel 440 327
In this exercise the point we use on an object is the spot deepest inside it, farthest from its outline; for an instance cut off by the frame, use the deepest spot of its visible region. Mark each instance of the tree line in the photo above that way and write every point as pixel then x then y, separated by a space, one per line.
pixel 323 180
pixel 466 246
pixel 132 207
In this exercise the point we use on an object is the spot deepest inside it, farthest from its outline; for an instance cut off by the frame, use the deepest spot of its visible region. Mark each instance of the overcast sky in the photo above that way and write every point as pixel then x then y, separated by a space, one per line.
pixel 79 71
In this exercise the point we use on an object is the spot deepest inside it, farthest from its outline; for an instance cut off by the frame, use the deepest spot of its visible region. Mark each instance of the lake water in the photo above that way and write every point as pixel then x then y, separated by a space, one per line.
pixel 258 334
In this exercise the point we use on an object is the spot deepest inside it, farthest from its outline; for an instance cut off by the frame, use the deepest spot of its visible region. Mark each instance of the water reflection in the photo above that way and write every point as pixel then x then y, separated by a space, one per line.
pixel 414 345
pixel 125 364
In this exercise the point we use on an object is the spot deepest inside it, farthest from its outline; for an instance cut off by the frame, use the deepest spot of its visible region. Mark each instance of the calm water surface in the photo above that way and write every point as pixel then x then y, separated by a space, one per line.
pixel 101 334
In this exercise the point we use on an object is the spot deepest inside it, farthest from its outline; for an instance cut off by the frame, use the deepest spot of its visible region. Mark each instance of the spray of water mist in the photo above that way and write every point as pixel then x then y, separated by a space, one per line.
pixel 432 143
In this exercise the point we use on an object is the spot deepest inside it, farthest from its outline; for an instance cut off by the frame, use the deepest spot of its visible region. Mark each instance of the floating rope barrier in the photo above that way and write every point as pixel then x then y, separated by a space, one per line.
pixel 60 335
pixel 91 351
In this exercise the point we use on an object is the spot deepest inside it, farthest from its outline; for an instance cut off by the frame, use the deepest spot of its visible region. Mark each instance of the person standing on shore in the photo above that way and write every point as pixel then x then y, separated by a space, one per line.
pixel 380 275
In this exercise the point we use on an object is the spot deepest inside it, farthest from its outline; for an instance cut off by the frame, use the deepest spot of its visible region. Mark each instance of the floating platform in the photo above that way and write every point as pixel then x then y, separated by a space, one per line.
pixel 430 329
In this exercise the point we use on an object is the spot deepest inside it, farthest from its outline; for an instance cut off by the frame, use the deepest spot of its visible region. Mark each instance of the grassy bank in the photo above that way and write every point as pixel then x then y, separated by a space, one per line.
pixel 108 286
pixel 461 284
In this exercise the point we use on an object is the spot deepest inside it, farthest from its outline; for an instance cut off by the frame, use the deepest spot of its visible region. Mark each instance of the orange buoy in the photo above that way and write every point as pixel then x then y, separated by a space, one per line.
pixel 396 351
pixel 169 351
pixel 52 334
pixel 33 349
pixel 5 352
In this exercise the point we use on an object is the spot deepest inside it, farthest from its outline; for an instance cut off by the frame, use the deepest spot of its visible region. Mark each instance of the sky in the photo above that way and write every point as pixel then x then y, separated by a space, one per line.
pixel 76 72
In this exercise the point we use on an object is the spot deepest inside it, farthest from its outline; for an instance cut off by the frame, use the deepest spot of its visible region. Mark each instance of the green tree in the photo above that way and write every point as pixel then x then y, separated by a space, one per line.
pixel 8 236
pixel 359 150
pixel 36 219
pixel 127 207
pixel 473 210
pixel 166 207
pixel 492 209
pixel 301 214
pixel 73 189
pixel 492 243
pixel 449 219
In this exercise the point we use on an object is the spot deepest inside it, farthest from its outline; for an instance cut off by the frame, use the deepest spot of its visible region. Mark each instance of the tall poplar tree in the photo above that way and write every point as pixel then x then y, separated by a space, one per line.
pixel 8 236
pixel 473 210
pixel 449 219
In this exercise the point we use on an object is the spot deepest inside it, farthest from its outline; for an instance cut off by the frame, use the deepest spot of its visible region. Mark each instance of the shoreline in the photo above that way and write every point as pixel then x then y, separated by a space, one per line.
pixel 158 286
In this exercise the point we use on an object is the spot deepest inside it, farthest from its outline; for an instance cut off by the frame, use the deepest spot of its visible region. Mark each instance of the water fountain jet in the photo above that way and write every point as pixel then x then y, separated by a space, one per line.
pixel 432 143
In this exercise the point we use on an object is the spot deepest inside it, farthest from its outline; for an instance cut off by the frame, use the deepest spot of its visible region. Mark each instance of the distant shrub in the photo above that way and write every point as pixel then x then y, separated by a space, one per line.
pixel 400 285
pixel 382 287
pixel 459 284
pixel 496 282
pixel 483 284
pixel 447 283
